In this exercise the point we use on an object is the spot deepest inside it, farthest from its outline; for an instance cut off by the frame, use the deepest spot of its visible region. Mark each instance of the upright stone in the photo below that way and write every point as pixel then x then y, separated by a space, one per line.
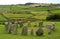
pixel 6 26
pixel 41 23
pixel 51 27
pixel 29 23
pixel 16 23
pixel 24 30
pixel 21 23
pixel 9 28
pixel 14 28
pixel 32 32
pixel 39 32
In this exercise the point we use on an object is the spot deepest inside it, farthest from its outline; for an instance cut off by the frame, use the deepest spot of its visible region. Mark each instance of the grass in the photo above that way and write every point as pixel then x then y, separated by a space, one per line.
pixel 2 18
pixel 39 12
pixel 10 15
pixel 55 35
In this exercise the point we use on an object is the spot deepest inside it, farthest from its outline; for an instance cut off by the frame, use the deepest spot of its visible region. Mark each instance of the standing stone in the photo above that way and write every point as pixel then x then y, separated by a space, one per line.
pixel 51 27
pixel 6 26
pixel 21 23
pixel 40 23
pixel 32 32
pixel 29 23
pixel 9 28
pixel 24 30
pixel 39 32
pixel 16 23
pixel 14 28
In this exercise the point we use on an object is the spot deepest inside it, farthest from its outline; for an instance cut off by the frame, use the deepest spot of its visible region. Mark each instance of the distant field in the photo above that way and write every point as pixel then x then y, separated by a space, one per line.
pixel 10 15
pixel 2 18
pixel 34 12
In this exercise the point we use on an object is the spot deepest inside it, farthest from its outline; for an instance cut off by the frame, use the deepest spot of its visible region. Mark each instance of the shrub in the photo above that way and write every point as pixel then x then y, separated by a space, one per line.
pixel 55 17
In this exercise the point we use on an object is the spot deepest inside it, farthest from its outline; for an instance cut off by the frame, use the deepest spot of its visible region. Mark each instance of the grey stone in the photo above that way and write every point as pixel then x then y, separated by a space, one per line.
pixel 39 32
pixel 29 23
pixel 14 31
pixel 9 28
pixel 51 27
pixel 21 23
pixel 32 32
pixel 6 26
pixel 24 30
pixel 41 23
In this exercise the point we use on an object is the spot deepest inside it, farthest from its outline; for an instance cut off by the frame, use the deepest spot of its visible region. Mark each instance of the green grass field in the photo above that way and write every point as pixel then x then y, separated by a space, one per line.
pixel 33 12
pixel 55 35
pixel 2 18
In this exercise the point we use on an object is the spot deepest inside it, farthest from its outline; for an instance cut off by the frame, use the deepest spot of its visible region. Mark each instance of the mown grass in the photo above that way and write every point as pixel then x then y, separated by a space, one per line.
pixel 55 35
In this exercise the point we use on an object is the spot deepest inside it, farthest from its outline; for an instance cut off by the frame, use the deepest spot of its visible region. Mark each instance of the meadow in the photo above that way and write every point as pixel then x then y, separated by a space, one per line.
pixel 27 12
pixel 55 35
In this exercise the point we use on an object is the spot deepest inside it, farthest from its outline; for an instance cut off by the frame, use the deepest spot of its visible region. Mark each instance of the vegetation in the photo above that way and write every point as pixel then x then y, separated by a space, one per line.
pixel 26 12
pixel 55 35
pixel 55 17
pixel 2 18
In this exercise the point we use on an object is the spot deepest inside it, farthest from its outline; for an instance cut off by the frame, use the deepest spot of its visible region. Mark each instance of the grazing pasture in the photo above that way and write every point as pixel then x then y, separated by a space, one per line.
pixel 31 16
pixel 55 35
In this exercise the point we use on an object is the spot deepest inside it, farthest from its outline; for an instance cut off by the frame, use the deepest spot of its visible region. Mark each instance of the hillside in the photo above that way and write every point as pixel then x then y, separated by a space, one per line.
pixel 2 18
pixel 27 12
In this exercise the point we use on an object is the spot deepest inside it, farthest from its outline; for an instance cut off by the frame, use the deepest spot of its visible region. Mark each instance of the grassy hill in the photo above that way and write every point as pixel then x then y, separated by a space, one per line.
pixel 24 12
pixel 27 12
pixel 2 18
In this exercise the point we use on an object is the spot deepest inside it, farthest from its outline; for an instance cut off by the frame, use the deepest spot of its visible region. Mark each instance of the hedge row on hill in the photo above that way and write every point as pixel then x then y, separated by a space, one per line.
pixel 54 17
